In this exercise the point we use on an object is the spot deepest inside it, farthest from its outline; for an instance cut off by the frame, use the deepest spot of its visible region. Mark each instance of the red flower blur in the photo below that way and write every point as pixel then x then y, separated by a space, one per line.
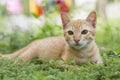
pixel 63 6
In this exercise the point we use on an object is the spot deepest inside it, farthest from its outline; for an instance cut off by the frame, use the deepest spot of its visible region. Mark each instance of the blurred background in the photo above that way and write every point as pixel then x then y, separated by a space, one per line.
pixel 22 21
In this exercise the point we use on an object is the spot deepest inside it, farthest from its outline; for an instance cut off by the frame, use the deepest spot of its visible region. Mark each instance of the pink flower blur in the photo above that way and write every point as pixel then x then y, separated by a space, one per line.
pixel 13 6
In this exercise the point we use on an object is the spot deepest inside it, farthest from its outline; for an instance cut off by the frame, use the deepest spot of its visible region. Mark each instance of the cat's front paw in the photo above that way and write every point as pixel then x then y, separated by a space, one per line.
pixel 99 62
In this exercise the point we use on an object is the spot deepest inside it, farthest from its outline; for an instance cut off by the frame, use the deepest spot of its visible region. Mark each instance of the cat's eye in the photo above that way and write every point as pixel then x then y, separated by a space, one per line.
pixel 70 32
pixel 84 32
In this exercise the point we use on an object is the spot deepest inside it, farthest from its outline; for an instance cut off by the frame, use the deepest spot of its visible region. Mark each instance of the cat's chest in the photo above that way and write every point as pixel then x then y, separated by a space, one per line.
pixel 81 57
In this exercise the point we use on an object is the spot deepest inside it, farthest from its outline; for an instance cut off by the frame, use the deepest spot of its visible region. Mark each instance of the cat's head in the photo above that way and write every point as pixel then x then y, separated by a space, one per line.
pixel 78 33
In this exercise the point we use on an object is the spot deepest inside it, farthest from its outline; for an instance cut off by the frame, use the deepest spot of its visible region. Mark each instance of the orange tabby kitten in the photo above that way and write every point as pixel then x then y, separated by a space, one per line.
pixel 77 44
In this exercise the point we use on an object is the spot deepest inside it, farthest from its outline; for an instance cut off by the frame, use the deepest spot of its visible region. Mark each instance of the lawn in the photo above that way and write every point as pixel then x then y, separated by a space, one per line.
pixel 107 38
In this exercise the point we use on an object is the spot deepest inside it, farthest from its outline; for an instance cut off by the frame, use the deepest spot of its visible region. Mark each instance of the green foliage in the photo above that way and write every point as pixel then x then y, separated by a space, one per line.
pixel 107 36
pixel 12 41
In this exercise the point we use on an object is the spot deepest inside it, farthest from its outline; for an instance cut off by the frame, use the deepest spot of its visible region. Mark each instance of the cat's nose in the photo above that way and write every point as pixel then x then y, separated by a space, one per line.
pixel 77 40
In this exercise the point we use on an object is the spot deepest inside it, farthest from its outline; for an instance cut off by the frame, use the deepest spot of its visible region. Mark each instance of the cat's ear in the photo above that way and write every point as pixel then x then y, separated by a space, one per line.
pixel 92 18
pixel 65 19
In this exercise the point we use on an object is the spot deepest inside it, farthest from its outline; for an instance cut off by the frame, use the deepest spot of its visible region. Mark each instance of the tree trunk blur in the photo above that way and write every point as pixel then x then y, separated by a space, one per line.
pixel 101 9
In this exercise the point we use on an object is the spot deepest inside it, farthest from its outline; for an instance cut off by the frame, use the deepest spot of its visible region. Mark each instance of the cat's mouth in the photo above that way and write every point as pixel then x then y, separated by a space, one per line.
pixel 77 44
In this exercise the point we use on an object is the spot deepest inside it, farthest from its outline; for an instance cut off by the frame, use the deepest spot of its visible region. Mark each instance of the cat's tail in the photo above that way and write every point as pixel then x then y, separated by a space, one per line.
pixel 1 55
pixel 12 55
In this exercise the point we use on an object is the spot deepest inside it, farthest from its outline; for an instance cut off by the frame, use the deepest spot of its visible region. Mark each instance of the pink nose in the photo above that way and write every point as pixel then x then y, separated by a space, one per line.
pixel 77 41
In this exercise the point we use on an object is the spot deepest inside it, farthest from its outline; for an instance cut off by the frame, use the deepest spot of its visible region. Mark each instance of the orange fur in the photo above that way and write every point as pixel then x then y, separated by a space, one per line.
pixel 77 44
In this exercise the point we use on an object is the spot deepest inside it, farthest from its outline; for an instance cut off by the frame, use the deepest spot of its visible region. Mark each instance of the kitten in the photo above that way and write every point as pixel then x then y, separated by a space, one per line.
pixel 77 44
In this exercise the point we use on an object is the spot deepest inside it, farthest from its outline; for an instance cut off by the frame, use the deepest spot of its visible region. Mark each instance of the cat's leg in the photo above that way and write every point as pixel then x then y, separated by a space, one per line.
pixel 28 54
pixel 96 59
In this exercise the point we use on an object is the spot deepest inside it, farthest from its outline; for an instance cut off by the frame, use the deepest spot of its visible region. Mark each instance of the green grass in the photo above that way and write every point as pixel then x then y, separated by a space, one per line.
pixel 35 70
pixel 107 38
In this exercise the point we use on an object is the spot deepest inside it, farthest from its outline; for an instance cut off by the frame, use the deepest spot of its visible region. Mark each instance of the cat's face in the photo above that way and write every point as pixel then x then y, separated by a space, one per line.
pixel 79 33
